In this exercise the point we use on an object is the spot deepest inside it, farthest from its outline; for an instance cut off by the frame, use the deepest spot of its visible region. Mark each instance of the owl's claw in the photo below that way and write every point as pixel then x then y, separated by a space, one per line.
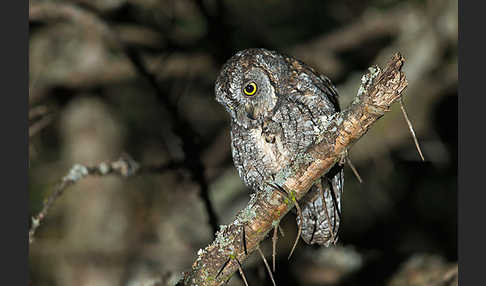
pixel 355 171
pixel 291 197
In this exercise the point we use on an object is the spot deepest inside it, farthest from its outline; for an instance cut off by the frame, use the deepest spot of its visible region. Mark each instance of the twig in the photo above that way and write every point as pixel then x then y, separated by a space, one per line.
pixel 124 167
pixel 274 246
pixel 410 127
pixel 355 171
pixel 299 228
pixel 222 267
pixel 39 125
pixel 240 268
pixel 244 238
pixel 379 90
pixel 37 111
pixel 266 265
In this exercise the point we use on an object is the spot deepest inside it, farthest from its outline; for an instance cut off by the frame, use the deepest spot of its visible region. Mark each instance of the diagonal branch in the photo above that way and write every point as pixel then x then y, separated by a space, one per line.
pixel 378 91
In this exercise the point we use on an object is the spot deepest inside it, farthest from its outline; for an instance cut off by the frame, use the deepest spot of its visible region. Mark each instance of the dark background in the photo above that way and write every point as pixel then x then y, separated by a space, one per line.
pixel 136 77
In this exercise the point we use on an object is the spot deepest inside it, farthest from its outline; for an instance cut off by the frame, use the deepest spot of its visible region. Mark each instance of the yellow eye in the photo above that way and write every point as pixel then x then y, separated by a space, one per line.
pixel 250 89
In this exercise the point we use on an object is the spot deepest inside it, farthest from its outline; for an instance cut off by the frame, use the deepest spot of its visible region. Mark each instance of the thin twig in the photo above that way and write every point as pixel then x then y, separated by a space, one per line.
pixel 222 267
pixel 299 230
pixel 124 167
pixel 244 238
pixel 410 127
pixel 37 111
pixel 274 246
pixel 266 265
pixel 355 171
pixel 39 125
pixel 240 268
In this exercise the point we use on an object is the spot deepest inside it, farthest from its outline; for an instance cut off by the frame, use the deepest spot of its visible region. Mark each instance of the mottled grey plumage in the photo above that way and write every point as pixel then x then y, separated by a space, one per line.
pixel 281 119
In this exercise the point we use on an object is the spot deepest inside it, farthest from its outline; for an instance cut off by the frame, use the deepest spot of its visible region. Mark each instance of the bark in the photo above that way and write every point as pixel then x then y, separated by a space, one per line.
pixel 218 261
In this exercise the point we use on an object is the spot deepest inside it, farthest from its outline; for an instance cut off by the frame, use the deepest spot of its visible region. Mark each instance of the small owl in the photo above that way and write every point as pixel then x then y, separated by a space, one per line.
pixel 277 106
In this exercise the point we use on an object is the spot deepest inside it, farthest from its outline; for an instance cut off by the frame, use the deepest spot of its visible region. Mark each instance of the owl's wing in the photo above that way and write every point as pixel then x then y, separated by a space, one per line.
pixel 324 84
pixel 313 87
pixel 321 209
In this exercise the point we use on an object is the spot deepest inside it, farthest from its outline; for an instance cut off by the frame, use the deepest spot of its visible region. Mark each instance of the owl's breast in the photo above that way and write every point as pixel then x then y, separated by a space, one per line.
pixel 262 151
pixel 273 154
pixel 256 159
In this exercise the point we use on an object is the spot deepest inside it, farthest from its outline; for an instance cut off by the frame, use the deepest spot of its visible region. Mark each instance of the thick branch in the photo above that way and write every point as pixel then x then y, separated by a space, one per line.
pixel 379 90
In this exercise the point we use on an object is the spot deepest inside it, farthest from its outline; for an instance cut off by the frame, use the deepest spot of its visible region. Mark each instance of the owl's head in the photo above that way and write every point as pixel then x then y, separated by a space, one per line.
pixel 248 85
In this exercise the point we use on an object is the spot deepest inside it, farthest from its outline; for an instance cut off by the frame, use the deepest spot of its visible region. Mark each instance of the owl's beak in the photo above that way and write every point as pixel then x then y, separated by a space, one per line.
pixel 250 111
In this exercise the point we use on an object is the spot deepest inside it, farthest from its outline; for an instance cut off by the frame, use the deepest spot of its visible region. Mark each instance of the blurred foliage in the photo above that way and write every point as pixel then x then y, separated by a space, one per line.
pixel 109 77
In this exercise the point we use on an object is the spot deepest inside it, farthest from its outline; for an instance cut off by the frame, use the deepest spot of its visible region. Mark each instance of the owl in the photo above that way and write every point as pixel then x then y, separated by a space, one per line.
pixel 277 106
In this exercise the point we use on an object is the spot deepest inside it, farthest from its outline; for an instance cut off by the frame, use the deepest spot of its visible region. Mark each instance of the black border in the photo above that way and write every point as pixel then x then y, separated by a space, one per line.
pixel 14 137
pixel 471 171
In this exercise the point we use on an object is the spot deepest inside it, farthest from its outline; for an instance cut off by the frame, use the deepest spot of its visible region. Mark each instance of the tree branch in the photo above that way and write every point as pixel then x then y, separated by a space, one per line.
pixel 124 167
pixel 378 91
pixel 180 126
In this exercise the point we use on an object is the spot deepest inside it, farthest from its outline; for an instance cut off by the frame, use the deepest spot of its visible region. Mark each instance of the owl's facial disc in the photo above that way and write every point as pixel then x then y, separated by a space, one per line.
pixel 245 88
pixel 257 94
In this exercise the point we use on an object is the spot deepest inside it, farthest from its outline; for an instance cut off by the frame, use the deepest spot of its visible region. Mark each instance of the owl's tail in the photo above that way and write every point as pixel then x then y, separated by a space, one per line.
pixel 321 209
